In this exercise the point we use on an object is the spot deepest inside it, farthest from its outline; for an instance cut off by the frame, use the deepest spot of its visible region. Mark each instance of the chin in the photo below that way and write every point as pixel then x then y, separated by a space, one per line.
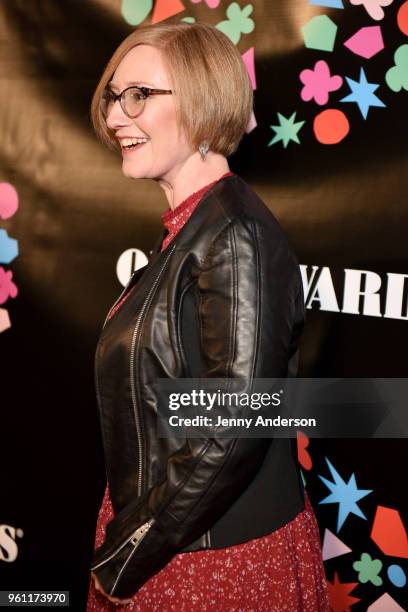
pixel 132 173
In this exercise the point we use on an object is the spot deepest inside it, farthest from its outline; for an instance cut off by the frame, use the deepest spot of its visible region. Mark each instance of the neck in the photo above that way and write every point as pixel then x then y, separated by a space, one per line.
pixel 193 174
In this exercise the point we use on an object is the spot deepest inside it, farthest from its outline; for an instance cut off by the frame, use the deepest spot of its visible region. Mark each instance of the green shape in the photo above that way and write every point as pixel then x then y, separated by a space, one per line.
pixel 286 131
pixel 303 478
pixel 188 19
pixel 320 33
pixel 238 22
pixel 397 76
pixel 368 569
pixel 135 11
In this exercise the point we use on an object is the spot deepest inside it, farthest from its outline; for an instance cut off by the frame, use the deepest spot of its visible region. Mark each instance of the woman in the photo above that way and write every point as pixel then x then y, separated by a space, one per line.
pixel 202 523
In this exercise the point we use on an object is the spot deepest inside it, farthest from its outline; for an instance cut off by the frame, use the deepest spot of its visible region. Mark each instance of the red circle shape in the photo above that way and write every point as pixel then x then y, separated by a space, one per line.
pixel 402 18
pixel 331 126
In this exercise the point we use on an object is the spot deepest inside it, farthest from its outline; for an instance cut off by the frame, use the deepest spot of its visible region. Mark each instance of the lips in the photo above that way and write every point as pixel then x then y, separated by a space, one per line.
pixel 132 149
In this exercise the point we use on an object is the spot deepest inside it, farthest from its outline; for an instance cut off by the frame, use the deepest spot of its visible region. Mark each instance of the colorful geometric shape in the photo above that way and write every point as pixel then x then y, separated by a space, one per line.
pixel 333 546
pixel 318 83
pixel 287 130
pixel 402 18
pixel 362 93
pixel 8 200
pixel 4 320
pixel 135 12
pixel 304 458
pixel 8 247
pixel 328 3
pixel 331 126
pixel 210 3
pixel 164 9
pixel 397 76
pixel 385 603
pixel 366 42
pixel 252 123
pixel 373 7
pixel 388 532
pixel 320 33
pixel 249 60
pixel 368 569
pixel 340 598
pixel 238 22
pixel 397 576
pixel 345 494
pixel 7 287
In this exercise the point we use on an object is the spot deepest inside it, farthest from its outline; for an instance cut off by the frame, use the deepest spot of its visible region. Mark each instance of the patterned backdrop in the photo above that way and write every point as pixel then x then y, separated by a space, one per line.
pixel 326 148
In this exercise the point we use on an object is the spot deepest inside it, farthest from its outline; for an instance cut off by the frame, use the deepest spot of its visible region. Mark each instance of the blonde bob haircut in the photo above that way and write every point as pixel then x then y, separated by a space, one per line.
pixel 211 87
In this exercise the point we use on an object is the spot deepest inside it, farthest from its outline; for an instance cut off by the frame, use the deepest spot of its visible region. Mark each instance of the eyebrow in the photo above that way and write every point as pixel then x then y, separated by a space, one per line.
pixel 130 83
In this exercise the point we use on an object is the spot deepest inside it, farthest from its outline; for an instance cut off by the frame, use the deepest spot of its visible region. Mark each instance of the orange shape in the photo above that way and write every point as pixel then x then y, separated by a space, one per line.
pixel 331 126
pixel 402 18
pixel 163 9
pixel 389 533
pixel 303 456
pixel 340 600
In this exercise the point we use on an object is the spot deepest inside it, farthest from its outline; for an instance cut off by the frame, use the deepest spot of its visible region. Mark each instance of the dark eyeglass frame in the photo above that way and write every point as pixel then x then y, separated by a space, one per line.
pixel 146 91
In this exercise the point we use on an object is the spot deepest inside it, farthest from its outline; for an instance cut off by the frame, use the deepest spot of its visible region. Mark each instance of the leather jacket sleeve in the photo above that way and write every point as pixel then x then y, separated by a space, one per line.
pixel 243 281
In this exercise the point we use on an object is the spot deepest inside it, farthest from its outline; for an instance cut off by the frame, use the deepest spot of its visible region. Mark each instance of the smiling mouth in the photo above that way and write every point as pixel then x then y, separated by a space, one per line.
pixel 132 148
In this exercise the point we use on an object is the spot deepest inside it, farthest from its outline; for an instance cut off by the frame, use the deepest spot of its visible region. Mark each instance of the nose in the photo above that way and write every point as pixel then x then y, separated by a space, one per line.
pixel 116 117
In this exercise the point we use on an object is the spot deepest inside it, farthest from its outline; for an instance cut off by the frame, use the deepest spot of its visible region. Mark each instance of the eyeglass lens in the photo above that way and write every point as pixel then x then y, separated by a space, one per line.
pixel 132 101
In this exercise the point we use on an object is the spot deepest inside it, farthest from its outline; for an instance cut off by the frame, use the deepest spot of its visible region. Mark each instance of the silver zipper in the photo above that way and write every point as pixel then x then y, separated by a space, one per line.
pixel 135 538
pixel 132 359
pixel 141 531
pixel 98 393
pixel 138 536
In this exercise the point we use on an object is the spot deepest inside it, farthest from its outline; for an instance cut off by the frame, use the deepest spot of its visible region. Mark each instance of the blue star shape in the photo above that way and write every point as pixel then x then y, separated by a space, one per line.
pixel 346 494
pixel 362 92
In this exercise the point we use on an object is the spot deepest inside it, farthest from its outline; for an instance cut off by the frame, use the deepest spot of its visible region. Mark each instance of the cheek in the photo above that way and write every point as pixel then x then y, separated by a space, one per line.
pixel 163 119
pixel 160 123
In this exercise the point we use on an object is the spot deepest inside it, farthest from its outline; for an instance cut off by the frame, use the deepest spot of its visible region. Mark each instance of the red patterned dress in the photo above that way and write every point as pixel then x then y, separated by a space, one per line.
pixel 281 571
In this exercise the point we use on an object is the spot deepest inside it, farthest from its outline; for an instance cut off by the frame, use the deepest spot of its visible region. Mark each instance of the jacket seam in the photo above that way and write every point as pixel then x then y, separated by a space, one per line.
pixel 164 507
pixel 178 326
pixel 259 300
pixel 233 314
pixel 229 452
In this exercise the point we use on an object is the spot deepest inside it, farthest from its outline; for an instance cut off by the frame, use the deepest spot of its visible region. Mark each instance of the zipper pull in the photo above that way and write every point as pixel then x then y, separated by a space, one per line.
pixel 141 532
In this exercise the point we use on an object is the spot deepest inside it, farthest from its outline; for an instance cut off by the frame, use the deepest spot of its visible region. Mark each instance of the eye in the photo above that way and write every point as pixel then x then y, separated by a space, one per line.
pixel 137 94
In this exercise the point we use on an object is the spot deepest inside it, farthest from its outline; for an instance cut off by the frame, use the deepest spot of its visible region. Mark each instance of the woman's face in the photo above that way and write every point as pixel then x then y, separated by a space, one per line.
pixel 166 151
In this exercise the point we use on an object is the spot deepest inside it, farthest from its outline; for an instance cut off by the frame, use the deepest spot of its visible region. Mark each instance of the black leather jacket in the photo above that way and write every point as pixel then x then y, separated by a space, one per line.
pixel 223 300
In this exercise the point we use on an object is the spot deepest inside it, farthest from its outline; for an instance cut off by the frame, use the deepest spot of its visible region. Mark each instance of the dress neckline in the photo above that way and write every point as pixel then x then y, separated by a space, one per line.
pixel 174 220
pixel 170 217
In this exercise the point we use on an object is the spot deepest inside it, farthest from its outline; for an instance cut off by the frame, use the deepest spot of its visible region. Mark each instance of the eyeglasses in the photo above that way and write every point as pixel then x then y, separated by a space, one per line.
pixel 132 99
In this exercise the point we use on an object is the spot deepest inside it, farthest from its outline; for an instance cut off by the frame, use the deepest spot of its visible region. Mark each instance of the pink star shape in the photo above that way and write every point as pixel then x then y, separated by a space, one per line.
pixel 318 83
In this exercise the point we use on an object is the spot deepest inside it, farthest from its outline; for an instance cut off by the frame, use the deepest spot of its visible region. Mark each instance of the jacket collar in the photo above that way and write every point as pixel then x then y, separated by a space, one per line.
pixel 203 215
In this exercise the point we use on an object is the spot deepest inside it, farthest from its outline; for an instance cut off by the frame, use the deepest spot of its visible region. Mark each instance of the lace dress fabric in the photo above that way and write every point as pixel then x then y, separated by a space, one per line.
pixel 280 572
